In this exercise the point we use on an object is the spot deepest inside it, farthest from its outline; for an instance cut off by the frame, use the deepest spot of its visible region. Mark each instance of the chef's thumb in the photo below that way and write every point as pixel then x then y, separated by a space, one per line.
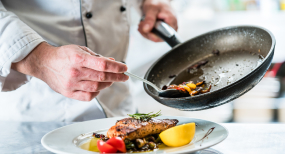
pixel 149 20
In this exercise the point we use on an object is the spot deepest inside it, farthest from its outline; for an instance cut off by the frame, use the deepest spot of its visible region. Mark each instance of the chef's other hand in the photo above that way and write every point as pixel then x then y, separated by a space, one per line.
pixel 156 10
pixel 71 70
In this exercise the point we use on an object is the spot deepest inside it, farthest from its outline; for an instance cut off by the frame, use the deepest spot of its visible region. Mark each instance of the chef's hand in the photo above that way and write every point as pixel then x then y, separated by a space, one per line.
pixel 156 10
pixel 71 70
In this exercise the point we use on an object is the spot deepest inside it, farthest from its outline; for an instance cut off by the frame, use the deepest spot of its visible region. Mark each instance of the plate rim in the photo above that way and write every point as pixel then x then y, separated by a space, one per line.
pixel 76 123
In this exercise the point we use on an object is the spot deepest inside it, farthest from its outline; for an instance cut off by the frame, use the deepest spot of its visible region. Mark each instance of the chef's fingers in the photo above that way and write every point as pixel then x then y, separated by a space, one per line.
pixel 91 86
pixel 168 17
pixel 147 24
pixel 149 20
pixel 151 36
pixel 92 53
pixel 111 58
pixel 92 75
pixel 103 64
pixel 83 95
pixel 88 50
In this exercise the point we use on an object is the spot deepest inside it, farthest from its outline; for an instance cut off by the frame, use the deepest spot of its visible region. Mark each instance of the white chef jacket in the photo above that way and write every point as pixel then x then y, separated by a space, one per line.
pixel 26 23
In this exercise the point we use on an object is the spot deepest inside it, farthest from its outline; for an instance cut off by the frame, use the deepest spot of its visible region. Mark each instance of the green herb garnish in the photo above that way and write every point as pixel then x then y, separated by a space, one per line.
pixel 145 117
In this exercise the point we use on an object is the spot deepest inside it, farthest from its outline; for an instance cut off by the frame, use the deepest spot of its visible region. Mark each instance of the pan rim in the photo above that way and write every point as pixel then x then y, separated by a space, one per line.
pixel 271 51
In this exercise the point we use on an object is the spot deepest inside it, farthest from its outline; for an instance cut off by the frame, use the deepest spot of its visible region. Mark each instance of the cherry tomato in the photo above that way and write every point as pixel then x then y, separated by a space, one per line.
pixel 118 143
pixel 105 147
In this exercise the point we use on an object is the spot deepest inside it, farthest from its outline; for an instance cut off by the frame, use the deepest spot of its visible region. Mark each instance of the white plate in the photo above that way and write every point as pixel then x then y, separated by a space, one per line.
pixel 67 139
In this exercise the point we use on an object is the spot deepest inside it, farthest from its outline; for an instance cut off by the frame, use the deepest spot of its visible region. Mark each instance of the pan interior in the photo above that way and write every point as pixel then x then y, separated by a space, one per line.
pixel 241 51
pixel 221 70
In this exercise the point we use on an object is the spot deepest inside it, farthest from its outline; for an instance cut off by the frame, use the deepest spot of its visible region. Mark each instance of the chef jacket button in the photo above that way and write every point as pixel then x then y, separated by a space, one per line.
pixel 88 15
pixel 122 9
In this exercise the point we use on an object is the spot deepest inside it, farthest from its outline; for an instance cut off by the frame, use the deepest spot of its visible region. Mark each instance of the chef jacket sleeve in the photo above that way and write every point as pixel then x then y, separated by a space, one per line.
pixel 17 40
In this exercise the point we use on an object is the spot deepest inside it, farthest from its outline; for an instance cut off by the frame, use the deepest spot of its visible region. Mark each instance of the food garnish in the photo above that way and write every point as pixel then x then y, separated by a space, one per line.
pixel 145 117
pixel 148 143
pixel 140 132
pixel 93 144
pixel 118 143
pixel 113 145
pixel 105 147
pixel 190 87
pixel 178 135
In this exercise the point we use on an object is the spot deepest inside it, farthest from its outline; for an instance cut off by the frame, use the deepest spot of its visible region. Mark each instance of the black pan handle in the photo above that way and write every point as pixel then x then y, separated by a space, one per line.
pixel 167 33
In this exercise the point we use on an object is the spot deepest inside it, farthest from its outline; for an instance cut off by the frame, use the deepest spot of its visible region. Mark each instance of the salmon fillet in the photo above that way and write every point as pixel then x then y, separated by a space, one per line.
pixel 131 129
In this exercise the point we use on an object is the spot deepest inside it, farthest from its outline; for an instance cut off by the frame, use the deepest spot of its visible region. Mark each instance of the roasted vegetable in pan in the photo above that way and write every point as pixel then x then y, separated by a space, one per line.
pixel 190 87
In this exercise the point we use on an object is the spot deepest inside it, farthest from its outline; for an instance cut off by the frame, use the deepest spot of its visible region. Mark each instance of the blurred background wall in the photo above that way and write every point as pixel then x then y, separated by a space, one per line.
pixel 264 103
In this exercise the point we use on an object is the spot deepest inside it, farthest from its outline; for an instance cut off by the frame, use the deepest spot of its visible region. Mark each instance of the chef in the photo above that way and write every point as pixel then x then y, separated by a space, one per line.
pixel 63 60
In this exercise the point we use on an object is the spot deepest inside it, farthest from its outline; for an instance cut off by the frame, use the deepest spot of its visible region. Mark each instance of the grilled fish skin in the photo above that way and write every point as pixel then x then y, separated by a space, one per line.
pixel 131 129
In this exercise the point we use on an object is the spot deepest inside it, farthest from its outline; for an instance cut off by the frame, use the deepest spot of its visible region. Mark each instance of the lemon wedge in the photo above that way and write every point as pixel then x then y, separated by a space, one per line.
pixel 93 145
pixel 178 135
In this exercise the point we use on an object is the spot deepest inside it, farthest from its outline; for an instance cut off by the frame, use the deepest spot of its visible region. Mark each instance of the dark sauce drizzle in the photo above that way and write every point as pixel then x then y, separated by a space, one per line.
pixel 206 135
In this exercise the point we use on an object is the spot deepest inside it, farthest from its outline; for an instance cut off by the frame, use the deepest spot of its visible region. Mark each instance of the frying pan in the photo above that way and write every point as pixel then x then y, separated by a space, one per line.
pixel 243 57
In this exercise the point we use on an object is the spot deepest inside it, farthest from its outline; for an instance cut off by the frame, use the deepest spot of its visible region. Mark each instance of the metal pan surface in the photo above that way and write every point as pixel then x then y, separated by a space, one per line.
pixel 245 54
